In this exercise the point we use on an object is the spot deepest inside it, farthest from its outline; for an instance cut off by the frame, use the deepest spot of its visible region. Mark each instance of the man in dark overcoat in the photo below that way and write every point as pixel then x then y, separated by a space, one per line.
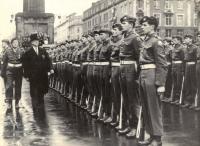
pixel 36 64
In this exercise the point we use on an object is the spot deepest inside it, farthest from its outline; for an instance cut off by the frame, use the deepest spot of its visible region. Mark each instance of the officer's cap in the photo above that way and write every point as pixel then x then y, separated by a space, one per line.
pixel 117 25
pixel 168 39
pixel 188 36
pixel 107 31
pixel 150 20
pixel 198 33
pixel 177 37
pixel 91 34
pixel 34 36
pixel 96 32
pixel 127 18
pixel 85 36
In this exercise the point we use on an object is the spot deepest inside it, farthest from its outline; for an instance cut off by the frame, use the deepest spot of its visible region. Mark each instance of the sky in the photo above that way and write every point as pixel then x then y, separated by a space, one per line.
pixel 58 7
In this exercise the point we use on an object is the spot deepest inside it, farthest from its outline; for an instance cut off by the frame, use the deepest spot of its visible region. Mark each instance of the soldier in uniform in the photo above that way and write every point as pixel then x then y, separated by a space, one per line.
pixel 177 56
pixel 129 57
pixel 97 73
pixel 36 65
pixel 12 71
pixel 5 46
pixel 197 98
pixel 167 42
pixel 84 67
pixel 153 73
pixel 90 79
pixel 189 86
pixel 116 41
pixel 104 58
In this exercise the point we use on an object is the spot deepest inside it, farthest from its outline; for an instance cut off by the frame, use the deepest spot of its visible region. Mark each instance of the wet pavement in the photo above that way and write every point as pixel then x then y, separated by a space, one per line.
pixel 61 123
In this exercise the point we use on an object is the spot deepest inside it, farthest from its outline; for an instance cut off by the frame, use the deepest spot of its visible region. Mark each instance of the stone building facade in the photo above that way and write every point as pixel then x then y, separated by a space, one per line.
pixel 175 16
pixel 69 28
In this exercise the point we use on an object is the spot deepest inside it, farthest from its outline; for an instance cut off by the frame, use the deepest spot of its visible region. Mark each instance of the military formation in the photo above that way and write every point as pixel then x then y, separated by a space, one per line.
pixel 121 77
pixel 117 75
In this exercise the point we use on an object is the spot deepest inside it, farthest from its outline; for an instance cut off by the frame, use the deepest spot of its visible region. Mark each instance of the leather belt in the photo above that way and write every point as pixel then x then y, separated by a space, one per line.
pixel 127 62
pixel 147 66
pixel 115 63
pixel 90 63
pixel 101 63
pixel 14 65
pixel 177 62
pixel 76 65
pixel 168 63
pixel 190 63
pixel 85 63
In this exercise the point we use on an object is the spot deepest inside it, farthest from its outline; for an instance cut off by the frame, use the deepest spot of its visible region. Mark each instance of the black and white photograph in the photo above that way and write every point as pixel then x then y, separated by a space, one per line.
pixel 99 73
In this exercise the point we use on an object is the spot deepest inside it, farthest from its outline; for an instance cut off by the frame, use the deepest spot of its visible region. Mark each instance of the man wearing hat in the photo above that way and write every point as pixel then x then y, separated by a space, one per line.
pixel 153 65
pixel 104 58
pixel 129 56
pixel 97 72
pixel 189 86
pixel 116 40
pixel 92 102
pixel 197 97
pixel 177 56
pixel 37 64
pixel 12 72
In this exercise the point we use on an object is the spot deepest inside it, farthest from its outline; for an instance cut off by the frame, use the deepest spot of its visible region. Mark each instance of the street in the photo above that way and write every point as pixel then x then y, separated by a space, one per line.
pixel 61 123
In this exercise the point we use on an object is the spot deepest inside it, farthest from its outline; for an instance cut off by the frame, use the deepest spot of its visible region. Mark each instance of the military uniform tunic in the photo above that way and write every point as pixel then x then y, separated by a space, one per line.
pixel 12 71
pixel 152 75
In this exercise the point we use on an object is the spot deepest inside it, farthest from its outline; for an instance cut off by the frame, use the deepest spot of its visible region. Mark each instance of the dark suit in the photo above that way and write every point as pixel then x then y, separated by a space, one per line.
pixel 36 68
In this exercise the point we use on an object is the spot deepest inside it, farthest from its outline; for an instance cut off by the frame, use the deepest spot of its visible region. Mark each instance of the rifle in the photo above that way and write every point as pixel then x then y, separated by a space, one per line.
pixel 196 99
pixel 138 131
pixel 181 95
pixel 121 112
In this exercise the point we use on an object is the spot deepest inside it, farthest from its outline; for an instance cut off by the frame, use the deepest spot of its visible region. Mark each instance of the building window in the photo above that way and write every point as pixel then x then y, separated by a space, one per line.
pixel 180 4
pixel 168 33
pixel 180 32
pixel 156 4
pixel 168 19
pixel 105 17
pixel 180 20
pixel 158 17
pixel 168 5
pixel 140 2
pixel 106 26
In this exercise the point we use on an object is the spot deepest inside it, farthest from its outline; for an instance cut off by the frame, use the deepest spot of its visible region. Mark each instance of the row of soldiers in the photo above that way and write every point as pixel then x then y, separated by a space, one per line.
pixel 119 77
pixel 182 86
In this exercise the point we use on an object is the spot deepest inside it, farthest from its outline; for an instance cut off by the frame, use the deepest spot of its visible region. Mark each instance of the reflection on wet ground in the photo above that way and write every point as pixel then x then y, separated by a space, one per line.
pixel 61 123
